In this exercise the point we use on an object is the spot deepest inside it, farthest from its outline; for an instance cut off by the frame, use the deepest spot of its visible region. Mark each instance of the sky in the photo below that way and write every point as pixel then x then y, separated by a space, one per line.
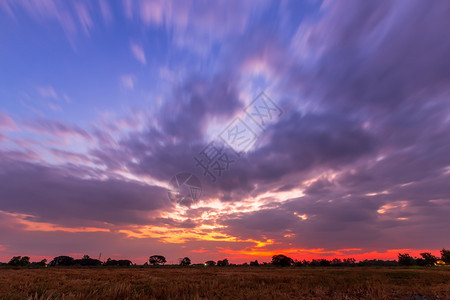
pixel 329 122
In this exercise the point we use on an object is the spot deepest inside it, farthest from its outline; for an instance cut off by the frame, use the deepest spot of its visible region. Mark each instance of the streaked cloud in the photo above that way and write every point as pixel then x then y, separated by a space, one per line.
pixel 138 52
pixel 106 11
pixel 127 81
pixel 7 123
pixel 47 92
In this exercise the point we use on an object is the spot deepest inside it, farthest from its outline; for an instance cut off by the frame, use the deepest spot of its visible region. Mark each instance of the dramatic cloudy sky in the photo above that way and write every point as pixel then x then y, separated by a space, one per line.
pixel 101 103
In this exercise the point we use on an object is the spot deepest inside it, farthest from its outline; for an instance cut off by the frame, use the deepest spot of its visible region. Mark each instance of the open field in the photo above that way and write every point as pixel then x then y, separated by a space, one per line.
pixel 224 283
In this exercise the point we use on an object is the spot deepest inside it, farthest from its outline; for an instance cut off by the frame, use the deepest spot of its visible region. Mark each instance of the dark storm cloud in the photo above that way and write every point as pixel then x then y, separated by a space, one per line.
pixel 382 78
pixel 378 54
pixel 194 103
pixel 176 133
pixel 352 73
pixel 60 195
pixel 297 146
pixel 262 222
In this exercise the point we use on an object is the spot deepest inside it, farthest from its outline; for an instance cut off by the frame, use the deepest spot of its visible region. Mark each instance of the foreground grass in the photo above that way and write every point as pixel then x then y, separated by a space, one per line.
pixel 224 283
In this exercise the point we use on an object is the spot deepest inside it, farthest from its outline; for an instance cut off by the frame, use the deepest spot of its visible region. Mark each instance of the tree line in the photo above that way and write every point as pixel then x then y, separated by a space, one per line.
pixel 404 259
pixel 426 259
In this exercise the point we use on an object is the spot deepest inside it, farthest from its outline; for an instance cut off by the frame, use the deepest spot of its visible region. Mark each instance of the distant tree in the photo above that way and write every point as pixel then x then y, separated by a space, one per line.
pixel 336 262
pixel 282 260
pixel 345 262
pixel 62 261
pixel 185 261
pixel 349 261
pixel 19 261
pixel 25 261
pixel 124 262
pixel 445 256
pixel 324 262
pixel 305 263
pixel 42 263
pixel 15 261
pixel 210 263
pixel 420 262
pixel 297 263
pixel 378 262
pixel 86 261
pixel 119 263
pixel 254 263
pixel 156 260
pixel 405 259
pixel 223 263
pixel 110 262
pixel 429 260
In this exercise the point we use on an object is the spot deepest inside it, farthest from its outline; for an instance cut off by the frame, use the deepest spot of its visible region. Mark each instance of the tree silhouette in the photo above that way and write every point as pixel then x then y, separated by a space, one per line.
pixel 87 261
pixel 349 261
pixel 62 261
pixel 120 262
pixel 19 261
pixel 428 259
pixel 254 263
pixel 156 260
pixel 185 261
pixel 15 261
pixel 324 262
pixel 210 263
pixel 445 256
pixel 42 263
pixel 336 262
pixel 282 260
pixel 124 262
pixel 223 263
pixel 405 259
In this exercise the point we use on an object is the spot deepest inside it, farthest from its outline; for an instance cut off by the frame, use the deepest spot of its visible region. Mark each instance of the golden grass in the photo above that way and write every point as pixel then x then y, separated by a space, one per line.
pixel 224 283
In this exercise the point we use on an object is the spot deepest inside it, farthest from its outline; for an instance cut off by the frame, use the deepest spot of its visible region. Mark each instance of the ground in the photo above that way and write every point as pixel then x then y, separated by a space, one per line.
pixel 225 283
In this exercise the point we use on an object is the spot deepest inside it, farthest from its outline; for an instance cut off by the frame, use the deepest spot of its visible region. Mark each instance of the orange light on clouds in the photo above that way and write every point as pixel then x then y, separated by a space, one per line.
pixel 24 220
pixel 179 236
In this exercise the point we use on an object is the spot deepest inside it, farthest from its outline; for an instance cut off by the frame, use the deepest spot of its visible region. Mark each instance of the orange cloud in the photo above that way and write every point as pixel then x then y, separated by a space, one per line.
pixel 28 225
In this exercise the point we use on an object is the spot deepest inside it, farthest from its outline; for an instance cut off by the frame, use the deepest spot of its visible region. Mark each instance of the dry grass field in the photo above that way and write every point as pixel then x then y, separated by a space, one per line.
pixel 224 283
